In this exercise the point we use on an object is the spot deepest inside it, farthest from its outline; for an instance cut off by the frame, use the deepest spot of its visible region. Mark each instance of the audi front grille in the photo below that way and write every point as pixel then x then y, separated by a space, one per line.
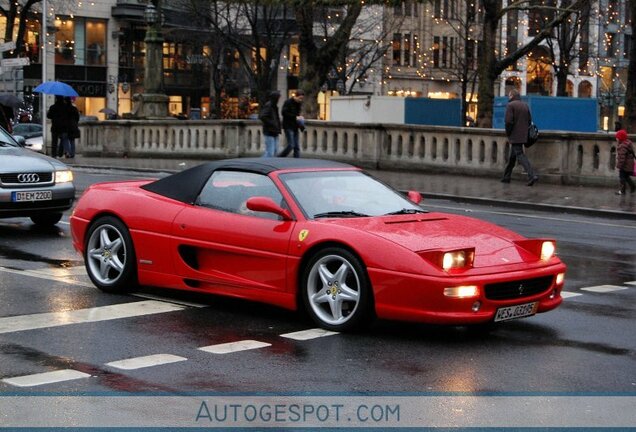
pixel 26 179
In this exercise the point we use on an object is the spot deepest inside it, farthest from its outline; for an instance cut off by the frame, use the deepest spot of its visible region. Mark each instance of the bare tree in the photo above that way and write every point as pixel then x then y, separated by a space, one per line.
pixel 320 46
pixel 564 42
pixel 490 65
pixel 250 33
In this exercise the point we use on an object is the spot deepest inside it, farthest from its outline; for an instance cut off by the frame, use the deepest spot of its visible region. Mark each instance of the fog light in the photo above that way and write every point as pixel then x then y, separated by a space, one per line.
pixel 560 278
pixel 462 291
pixel 476 306
pixel 553 294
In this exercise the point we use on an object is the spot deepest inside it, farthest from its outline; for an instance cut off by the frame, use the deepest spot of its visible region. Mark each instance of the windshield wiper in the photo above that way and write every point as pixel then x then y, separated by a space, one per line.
pixel 405 211
pixel 346 213
pixel 6 144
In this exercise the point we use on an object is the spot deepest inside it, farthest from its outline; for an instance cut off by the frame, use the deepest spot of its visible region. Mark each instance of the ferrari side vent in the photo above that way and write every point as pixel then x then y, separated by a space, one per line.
pixel 192 283
pixel 518 289
pixel 189 255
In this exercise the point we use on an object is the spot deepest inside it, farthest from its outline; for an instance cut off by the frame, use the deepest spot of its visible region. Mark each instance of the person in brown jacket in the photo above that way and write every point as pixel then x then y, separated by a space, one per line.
pixel 624 162
pixel 518 119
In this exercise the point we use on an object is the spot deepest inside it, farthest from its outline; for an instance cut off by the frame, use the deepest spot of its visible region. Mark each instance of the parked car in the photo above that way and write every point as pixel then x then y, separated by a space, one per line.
pixel 28 130
pixel 29 135
pixel 33 185
pixel 312 234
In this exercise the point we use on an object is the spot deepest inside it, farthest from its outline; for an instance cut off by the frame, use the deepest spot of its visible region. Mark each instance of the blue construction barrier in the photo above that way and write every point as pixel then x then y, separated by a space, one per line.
pixel 433 112
pixel 554 113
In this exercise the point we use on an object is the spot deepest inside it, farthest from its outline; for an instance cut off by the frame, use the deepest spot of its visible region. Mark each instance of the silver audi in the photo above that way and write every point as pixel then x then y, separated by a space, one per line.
pixel 32 184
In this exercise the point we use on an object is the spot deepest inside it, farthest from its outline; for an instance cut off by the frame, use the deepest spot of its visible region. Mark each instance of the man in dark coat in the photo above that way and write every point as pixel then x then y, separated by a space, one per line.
pixel 57 115
pixel 292 122
pixel 271 124
pixel 518 119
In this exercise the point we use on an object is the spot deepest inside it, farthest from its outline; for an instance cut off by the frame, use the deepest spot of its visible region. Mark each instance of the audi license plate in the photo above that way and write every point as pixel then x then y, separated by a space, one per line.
pixel 44 195
pixel 512 312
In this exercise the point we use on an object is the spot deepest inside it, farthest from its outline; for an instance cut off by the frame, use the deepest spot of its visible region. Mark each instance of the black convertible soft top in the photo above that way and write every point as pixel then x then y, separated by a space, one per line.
pixel 186 185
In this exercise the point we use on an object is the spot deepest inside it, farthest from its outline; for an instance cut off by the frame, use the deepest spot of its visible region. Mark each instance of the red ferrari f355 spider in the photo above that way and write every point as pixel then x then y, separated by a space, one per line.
pixel 312 234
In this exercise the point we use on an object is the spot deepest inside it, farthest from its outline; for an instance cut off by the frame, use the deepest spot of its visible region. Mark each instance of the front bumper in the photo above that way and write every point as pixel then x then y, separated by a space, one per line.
pixel 407 297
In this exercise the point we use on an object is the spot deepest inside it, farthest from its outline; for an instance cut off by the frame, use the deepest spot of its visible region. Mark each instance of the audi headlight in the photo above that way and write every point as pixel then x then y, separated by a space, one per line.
pixel 63 176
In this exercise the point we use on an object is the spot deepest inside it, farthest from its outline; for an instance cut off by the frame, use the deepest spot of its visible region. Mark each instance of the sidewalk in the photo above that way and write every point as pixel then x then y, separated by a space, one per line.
pixel 541 196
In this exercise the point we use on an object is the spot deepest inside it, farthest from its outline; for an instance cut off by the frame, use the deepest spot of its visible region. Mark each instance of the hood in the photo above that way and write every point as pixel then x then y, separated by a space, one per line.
pixel 493 244
pixel 17 159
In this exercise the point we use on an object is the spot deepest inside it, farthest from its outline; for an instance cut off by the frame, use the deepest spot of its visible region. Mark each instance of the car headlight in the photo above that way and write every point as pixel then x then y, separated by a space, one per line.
pixel 63 176
pixel 547 250
pixel 457 259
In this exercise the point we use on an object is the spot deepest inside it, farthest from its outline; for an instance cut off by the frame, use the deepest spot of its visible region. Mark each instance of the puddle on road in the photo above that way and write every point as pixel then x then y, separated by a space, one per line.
pixel 20 255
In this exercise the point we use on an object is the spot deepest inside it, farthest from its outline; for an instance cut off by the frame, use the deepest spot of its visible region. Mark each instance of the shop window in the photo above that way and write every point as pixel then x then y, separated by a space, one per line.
pixel 95 43
pixel 80 42
pixel 64 42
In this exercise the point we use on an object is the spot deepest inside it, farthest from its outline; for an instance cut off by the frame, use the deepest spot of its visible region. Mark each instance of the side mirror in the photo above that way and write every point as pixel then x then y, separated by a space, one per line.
pixel 414 197
pixel 266 204
pixel 20 140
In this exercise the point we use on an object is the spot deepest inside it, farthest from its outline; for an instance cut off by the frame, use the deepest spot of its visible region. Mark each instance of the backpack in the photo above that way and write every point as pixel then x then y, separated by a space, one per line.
pixel 533 134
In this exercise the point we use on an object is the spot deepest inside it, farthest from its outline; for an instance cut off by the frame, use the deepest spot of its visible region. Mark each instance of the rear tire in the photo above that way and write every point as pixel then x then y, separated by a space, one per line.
pixel 46 219
pixel 336 290
pixel 109 256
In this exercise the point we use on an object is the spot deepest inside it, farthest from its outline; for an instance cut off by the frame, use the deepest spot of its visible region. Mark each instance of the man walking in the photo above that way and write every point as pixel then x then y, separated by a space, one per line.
pixel 518 119
pixel 271 124
pixel 57 115
pixel 292 122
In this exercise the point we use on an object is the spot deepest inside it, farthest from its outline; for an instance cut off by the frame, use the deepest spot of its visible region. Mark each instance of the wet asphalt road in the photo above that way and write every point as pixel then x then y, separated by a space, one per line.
pixel 586 345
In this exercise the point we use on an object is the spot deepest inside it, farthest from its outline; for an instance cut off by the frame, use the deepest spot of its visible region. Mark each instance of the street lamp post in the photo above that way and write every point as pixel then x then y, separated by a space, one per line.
pixel 153 102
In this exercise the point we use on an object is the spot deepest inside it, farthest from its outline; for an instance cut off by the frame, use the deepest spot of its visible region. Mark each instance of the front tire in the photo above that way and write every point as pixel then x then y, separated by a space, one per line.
pixel 109 256
pixel 336 290
pixel 46 219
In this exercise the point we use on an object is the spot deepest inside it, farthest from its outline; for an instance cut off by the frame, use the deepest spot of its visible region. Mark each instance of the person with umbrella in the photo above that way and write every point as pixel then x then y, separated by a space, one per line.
pixel 71 127
pixel 57 115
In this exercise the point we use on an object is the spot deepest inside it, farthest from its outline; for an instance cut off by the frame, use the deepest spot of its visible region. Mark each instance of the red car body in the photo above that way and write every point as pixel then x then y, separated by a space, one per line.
pixel 179 244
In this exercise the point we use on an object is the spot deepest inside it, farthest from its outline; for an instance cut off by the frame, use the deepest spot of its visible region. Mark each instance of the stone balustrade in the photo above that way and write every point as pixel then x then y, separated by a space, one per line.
pixel 565 157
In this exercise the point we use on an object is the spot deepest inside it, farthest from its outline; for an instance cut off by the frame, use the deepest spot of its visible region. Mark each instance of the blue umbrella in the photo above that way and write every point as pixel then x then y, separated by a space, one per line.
pixel 56 88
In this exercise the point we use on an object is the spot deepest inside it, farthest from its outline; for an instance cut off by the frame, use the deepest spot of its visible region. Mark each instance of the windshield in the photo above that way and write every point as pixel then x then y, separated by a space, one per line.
pixel 345 194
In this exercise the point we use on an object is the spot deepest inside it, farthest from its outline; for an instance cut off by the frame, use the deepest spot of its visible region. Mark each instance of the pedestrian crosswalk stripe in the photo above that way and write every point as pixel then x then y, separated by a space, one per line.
pixel 145 361
pixel 45 378
pixel 604 288
pixel 567 294
pixel 308 334
pixel 39 274
pixel 231 347
pixel 101 313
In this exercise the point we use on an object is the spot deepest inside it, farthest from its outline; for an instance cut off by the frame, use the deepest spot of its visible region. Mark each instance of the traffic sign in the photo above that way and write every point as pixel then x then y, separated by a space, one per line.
pixel 11 62
pixel 7 46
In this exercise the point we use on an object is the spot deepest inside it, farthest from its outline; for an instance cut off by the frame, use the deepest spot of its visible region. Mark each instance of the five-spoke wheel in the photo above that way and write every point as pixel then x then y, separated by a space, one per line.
pixel 336 290
pixel 109 255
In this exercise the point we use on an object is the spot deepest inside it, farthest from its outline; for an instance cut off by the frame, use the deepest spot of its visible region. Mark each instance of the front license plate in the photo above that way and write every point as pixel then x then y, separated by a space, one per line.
pixel 512 312
pixel 31 196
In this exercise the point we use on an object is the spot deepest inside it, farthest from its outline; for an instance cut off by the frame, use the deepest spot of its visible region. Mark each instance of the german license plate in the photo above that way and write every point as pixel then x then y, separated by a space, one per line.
pixel 45 195
pixel 512 312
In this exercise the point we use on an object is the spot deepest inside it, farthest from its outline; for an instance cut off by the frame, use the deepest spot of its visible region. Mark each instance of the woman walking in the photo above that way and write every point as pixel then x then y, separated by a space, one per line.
pixel 624 162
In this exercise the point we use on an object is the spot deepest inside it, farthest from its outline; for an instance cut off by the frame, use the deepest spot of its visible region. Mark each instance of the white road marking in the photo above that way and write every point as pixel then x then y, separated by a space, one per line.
pixel 61 271
pixel 146 361
pixel 169 300
pixel 604 288
pixel 45 378
pixel 631 283
pixel 231 347
pixel 102 313
pixel 40 275
pixel 568 294
pixel 308 334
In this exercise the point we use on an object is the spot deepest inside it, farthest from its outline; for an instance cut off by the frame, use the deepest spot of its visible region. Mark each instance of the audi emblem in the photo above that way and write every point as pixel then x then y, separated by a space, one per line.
pixel 28 178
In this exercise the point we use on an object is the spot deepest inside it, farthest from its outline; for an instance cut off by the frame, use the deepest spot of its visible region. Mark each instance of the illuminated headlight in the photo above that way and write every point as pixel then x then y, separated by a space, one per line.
pixel 462 291
pixel 457 259
pixel 547 250
pixel 560 278
pixel 63 176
